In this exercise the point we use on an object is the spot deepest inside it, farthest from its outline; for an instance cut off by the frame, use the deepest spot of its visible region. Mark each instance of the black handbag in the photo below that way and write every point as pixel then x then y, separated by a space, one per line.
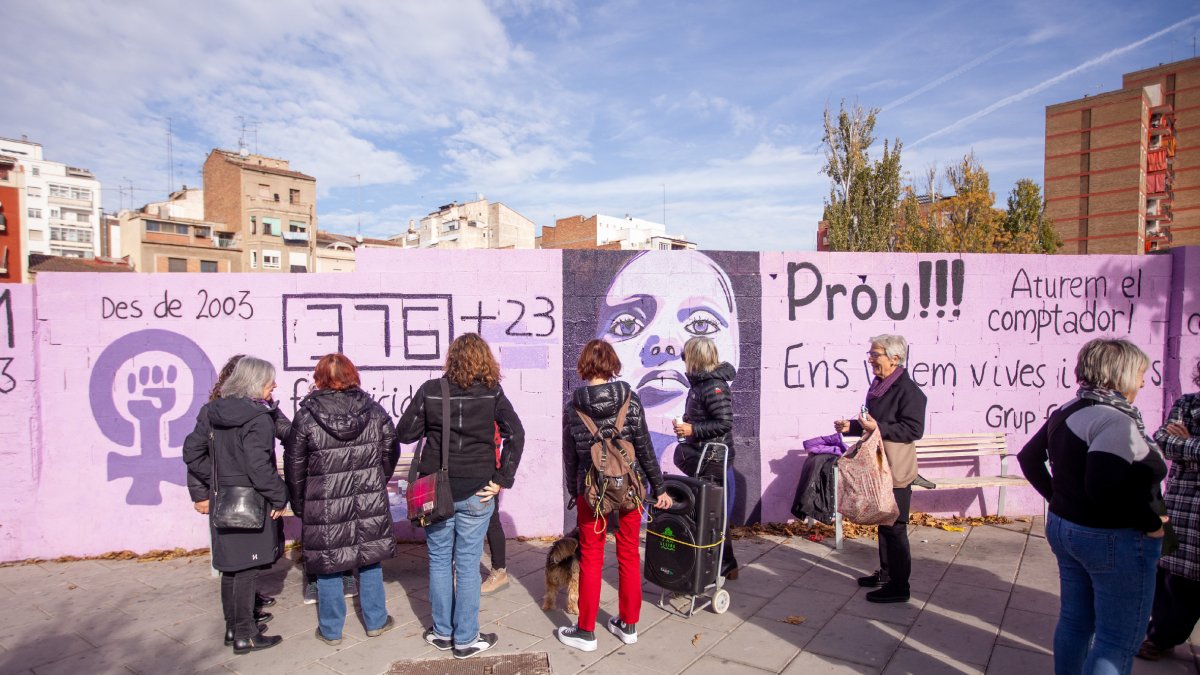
pixel 428 497
pixel 235 507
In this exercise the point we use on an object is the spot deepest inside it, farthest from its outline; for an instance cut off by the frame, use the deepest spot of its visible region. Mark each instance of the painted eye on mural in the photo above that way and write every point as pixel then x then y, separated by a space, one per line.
pixel 702 323
pixel 625 325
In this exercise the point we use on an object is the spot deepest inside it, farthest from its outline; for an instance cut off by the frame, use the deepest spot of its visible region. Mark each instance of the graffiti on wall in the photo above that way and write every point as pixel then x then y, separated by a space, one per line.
pixel 145 390
pixel 647 305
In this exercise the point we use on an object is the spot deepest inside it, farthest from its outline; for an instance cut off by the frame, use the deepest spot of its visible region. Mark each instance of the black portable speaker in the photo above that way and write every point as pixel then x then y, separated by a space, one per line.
pixel 680 556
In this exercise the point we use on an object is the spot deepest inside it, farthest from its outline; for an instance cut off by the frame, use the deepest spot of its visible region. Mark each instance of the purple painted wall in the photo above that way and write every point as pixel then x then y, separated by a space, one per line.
pixel 103 373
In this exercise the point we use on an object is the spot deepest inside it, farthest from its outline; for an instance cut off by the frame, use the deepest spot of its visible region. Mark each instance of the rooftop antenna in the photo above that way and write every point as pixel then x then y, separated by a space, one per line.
pixel 243 150
pixel 170 160
pixel 358 218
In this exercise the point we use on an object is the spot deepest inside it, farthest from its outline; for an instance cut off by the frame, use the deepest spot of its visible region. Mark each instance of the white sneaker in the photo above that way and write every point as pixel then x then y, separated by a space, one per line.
pixel 571 636
pixel 625 632
pixel 484 642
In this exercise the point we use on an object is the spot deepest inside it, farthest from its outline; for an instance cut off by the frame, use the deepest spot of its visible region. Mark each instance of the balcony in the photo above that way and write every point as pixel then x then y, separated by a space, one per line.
pixel 295 237
pixel 224 242
pixel 85 204
pixel 257 203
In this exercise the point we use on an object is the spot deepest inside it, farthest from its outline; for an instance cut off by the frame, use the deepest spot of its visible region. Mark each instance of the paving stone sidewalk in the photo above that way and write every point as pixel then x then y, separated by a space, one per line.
pixel 983 601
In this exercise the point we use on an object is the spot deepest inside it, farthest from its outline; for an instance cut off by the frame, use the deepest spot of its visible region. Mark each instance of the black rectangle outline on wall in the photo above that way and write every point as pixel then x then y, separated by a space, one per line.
pixel 364 296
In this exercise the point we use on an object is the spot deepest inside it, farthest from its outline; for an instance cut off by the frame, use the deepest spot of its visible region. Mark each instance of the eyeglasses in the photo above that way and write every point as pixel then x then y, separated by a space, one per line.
pixel 876 355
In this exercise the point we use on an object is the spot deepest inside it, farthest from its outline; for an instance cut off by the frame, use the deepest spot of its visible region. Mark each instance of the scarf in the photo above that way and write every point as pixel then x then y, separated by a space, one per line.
pixel 881 384
pixel 1117 400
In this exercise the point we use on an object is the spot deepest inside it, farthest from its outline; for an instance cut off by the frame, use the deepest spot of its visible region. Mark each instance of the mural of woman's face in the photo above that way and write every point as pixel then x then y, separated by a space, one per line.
pixel 655 303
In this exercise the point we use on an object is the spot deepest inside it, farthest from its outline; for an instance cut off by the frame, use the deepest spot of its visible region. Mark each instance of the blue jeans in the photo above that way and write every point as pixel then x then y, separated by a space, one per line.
pixel 455 547
pixel 331 601
pixel 1106 590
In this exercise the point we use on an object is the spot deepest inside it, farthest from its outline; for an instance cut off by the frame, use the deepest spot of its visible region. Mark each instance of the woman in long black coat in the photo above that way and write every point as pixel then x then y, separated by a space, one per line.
pixel 708 418
pixel 241 444
pixel 338 459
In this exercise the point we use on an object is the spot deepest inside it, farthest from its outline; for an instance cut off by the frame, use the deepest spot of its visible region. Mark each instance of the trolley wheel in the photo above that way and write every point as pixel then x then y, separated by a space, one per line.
pixel 720 601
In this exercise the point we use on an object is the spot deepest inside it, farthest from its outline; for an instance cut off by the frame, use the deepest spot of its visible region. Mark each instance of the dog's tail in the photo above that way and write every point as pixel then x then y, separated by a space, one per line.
pixel 563 550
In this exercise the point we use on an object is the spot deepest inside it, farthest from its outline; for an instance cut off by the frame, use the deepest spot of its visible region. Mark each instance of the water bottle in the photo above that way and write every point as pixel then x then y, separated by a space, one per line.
pixel 675 422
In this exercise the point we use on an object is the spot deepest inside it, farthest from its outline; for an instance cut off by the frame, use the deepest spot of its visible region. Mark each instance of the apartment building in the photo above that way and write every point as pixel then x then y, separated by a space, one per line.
pixel 12 263
pixel 1122 167
pixel 62 203
pixel 477 224
pixel 609 232
pixel 336 252
pixel 173 236
pixel 268 207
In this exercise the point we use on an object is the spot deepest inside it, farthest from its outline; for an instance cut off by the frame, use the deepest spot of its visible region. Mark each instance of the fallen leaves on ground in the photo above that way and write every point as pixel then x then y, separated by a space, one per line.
pixel 818 531
pixel 955 523
pixel 695 639
pixel 149 556
pixel 794 620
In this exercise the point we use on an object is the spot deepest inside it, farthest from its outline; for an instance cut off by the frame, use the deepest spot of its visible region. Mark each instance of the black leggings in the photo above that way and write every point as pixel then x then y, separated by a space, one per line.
pixel 237 601
pixel 495 537
pixel 895 559
pixel 1176 609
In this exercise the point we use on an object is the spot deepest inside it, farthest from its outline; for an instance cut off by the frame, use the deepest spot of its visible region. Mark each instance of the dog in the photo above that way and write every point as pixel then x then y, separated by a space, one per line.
pixel 562 569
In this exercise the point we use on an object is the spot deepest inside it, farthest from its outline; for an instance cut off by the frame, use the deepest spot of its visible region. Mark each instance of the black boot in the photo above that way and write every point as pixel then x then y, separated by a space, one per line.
pixel 262 617
pixel 256 643
pixel 879 578
pixel 261 601
pixel 229 633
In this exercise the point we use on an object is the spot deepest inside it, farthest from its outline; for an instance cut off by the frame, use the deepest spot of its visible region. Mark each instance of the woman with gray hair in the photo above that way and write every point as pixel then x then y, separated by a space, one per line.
pixel 708 418
pixel 1107 517
pixel 242 452
pixel 896 406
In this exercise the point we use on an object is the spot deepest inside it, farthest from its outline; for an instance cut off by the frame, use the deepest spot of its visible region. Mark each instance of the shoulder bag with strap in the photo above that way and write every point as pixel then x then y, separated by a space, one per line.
pixel 613 482
pixel 234 507
pixel 428 497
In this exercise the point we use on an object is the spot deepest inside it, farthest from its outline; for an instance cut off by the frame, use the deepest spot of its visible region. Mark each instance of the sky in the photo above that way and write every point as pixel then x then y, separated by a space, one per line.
pixel 704 114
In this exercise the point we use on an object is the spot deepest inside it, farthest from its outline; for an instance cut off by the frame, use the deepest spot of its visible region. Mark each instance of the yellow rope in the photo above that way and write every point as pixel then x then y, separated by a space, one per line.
pixel 663 536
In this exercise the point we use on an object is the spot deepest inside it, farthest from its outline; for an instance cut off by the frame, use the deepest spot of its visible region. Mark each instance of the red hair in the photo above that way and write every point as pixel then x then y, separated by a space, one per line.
pixel 598 360
pixel 336 372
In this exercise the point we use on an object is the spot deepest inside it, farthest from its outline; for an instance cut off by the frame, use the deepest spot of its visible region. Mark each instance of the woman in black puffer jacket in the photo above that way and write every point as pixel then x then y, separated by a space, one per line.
pixel 708 418
pixel 338 458
pixel 601 399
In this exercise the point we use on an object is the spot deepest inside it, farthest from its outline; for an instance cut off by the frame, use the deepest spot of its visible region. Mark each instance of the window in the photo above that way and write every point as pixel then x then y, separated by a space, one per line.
pixel 208 266
pixel 33 191
pixel 176 264
pixel 4 263
pixel 293 196
pixel 60 191
pixel 54 213
pixel 264 191
pixel 297 226
pixel 271 227
pixel 223 240
pixel 271 260
pixel 298 260
pixel 166 228
pixel 71 234
pixel 37 171
pixel 202 232
pixel 276 197
pixel 81 193
pixel 35 213
pixel 253 224
pixel 70 253
pixel 253 260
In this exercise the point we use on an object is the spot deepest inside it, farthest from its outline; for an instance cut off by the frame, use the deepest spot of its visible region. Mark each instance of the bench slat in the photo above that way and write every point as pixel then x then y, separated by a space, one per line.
pixel 933 457
pixel 978 481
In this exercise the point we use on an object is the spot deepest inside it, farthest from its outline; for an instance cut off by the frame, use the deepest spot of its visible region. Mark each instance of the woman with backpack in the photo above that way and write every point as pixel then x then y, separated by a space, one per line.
pixel 603 408
pixel 708 418
pixel 477 405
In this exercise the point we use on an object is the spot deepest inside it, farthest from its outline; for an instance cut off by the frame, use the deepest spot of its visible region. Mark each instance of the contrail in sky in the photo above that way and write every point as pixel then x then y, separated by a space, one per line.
pixel 1009 100
pixel 948 76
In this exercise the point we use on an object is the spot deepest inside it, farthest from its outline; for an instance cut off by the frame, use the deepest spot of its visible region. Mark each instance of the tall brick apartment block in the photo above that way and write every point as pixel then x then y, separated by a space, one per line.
pixel 270 208
pixel 1122 167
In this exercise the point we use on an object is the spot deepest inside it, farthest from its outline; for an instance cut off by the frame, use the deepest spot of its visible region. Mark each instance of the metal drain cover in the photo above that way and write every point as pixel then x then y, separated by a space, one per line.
pixel 536 663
